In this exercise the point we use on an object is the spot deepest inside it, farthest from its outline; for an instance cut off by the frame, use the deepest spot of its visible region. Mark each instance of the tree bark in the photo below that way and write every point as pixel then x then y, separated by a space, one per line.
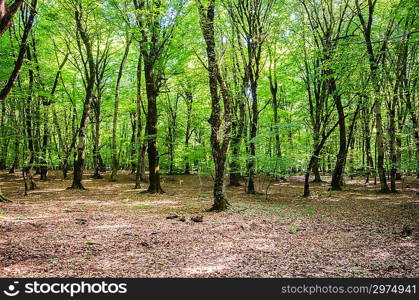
pixel 273 86
pixel 15 163
pixel 141 148
pixel 316 170
pixel 369 168
pixel 155 38
pixel 415 127
pixel 252 146
pixel 313 158
pixel 81 135
pixel 237 128
pixel 188 132
pixel 393 153
pixel 219 136
pixel 27 170
pixel 341 157
pixel 152 151
pixel 96 105
pixel 366 25
pixel 7 13
pixel 22 50
pixel 380 147
pixel 3 133
pixel 115 164
pixel 6 16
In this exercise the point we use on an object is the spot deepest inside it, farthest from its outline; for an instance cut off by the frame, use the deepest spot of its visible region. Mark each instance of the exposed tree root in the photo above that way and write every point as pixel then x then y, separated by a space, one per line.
pixel 4 199
pixel 219 206
pixel 155 191
pixel 77 186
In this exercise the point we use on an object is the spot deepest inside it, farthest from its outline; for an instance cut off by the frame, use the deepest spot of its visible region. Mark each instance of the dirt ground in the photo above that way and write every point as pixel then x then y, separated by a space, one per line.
pixel 112 230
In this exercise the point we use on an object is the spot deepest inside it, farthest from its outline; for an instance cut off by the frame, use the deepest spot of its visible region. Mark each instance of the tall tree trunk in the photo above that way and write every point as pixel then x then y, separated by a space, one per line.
pixel 30 128
pixel 374 60
pixel 341 157
pixel 81 135
pixel 237 129
pixel 96 136
pixel 133 145
pixel 6 15
pixel 251 19
pixel 115 164
pixel 219 136
pixel 140 170
pixel 415 127
pixel 64 148
pixel 273 85
pixel 170 146
pixel 27 170
pixel 42 117
pixel 370 161
pixel 188 131
pixel 4 24
pixel 155 38
pixel 252 147
pixel 3 136
pixel 171 137
pixel 401 119
pixel 152 151
pixel 380 147
pixel 45 139
pixel 392 134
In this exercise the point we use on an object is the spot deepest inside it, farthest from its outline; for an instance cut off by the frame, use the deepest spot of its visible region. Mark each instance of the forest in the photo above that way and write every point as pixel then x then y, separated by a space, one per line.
pixel 207 138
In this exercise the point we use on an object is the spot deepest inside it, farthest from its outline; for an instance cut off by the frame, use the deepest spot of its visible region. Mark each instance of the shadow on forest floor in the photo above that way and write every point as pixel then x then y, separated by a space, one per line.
pixel 113 230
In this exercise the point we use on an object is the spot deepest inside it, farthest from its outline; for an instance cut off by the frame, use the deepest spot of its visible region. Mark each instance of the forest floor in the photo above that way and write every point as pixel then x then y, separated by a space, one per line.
pixel 112 230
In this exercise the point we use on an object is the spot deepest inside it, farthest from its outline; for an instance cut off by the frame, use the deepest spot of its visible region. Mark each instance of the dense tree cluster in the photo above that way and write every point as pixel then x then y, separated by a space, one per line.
pixel 232 88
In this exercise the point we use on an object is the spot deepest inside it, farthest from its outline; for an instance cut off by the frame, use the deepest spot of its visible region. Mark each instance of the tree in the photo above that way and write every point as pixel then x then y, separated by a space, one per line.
pixel 102 59
pixel 329 23
pixel 220 121
pixel 251 19
pixel 141 144
pixel 273 87
pixel 238 113
pixel 374 63
pixel 187 95
pixel 172 109
pixel 115 165
pixel 8 11
pixel 6 15
pixel 89 73
pixel 156 25
pixel 23 44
